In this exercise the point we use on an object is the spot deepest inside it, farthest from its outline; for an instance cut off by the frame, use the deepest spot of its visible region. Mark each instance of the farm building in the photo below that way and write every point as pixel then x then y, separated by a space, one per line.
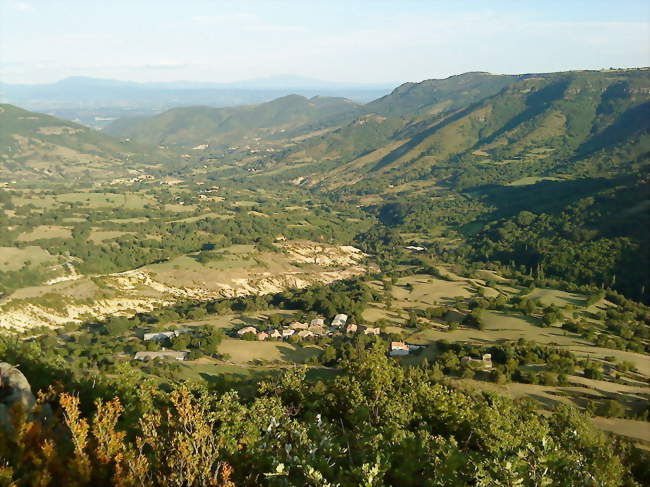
pixel 163 354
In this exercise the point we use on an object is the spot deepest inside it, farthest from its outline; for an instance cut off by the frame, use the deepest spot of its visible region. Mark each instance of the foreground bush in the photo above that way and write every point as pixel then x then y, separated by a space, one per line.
pixel 375 424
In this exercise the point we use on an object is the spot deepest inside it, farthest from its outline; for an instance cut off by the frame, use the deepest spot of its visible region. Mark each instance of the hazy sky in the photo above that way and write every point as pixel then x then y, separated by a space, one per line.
pixel 359 41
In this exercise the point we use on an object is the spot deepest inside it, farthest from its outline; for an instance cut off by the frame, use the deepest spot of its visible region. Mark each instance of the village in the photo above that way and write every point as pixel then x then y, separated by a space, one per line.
pixel 295 332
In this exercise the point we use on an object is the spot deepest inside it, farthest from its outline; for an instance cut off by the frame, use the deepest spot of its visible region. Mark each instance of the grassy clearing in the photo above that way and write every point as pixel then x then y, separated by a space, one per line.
pixel 243 351
pixel 131 201
pixel 45 231
pixel 201 217
pixel 635 430
pixel 231 320
pixel 501 327
pixel 99 236
pixel 526 181
pixel 559 298
pixel 12 258
pixel 427 290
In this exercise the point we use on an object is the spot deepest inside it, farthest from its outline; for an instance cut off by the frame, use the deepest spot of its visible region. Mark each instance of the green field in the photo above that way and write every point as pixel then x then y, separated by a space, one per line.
pixel 556 297
pixel 244 352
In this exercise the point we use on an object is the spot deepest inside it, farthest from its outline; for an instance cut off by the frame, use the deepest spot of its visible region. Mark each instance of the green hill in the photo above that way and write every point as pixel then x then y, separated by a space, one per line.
pixel 280 118
pixel 434 96
pixel 536 125
pixel 36 145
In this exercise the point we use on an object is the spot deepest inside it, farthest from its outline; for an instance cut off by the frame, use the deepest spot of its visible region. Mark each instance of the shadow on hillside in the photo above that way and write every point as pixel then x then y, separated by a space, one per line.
pixel 541 197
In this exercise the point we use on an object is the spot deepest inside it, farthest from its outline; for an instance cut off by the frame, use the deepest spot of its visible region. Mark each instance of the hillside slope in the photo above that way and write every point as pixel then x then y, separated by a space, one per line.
pixel 549 124
pixel 41 146
pixel 190 126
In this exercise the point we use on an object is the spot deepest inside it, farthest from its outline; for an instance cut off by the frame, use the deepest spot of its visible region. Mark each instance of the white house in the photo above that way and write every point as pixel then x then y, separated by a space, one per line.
pixel 371 331
pixel 339 320
pixel 317 322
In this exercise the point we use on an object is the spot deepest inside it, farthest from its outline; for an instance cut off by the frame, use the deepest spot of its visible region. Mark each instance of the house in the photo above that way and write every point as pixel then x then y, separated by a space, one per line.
pixel 415 248
pixel 339 320
pixel 262 336
pixel 161 335
pixel 275 334
pixel 399 348
pixel 287 332
pixel 484 363
pixel 163 354
pixel 371 331
pixel 305 334
pixel 487 360
pixel 351 328
pixel 297 325
pixel 318 330
pixel 317 322
pixel 248 329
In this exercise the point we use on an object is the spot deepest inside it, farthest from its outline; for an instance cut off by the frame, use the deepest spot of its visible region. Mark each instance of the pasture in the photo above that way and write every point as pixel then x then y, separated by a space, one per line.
pixel 245 352
pixel 45 232
pixel 13 258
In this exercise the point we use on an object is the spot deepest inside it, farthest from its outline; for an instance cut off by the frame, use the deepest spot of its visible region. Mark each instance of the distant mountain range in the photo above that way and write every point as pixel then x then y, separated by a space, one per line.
pixel 465 130
pixel 462 132
pixel 95 101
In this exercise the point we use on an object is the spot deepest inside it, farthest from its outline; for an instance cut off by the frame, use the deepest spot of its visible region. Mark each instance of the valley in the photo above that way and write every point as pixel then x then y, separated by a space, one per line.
pixel 484 235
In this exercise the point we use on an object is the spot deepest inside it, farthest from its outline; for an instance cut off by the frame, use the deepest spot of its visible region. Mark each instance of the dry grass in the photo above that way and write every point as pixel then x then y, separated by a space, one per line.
pixel 45 231
pixel 12 258
pixel 99 236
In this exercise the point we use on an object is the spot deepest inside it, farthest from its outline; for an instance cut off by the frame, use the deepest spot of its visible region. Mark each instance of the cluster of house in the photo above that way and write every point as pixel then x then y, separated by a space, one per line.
pixel 314 328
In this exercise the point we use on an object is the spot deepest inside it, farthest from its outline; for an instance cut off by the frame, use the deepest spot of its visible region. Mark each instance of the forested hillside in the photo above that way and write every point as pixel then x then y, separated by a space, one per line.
pixel 217 126
pixel 536 125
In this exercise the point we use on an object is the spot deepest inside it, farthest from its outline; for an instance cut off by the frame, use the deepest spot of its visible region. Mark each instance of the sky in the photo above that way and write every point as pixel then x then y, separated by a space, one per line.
pixel 372 41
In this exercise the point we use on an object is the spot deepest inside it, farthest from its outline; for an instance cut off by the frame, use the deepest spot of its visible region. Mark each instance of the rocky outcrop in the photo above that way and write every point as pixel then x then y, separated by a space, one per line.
pixel 15 392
